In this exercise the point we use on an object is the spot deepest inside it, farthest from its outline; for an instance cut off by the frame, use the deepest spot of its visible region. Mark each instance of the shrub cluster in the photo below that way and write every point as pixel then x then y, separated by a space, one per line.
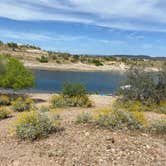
pixel 75 101
pixel 43 59
pixel 144 86
pixel 158 126
pixel 33 125
pixel 4 113
pixel 132 106
pixel 97 62
pixel 84 117
pixel 114 119
pixel 73 95
pixel 119 119
pixel 4 100
pixel 21 104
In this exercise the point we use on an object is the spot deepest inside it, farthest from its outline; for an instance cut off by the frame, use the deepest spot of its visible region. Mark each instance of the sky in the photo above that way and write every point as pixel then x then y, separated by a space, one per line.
pixel 97 27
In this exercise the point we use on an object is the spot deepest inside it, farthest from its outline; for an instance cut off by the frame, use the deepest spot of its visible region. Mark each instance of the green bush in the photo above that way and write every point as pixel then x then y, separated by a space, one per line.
pixel 21 104
pixel 13 74
pixel 33 125
pixel 12 45
pixel 4 100
pixel 4 113
pixel 77 101
pixel 71 90
pixel 119 119
pixel 97 62
pixel 43 59
pixel 158 126
pixel 57 101
pixel 84 117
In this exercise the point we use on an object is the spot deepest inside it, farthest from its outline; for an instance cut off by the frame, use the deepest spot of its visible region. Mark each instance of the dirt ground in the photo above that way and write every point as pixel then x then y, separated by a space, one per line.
pixel 83 145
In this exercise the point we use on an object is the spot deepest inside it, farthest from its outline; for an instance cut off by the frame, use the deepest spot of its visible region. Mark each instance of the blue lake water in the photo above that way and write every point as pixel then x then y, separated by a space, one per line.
pixel 100 82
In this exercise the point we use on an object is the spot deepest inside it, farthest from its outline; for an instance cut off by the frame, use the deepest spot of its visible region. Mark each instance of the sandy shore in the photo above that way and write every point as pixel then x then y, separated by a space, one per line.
pixel 75 67
pixel 82 67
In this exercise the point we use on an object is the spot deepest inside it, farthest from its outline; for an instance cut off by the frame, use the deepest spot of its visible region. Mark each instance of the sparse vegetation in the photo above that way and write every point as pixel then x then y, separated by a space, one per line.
pixel 158 126
pixel 84 117
pixel 75 101
pixel 43 59
pixel 4 100
pixel 34 125
pixel 73 90
pixel 4 113
pixel 119 119
pixel 97 62
pixel 114 119
pixel 73 95
pixel 144 86
pixel 15 75
pixel 21 104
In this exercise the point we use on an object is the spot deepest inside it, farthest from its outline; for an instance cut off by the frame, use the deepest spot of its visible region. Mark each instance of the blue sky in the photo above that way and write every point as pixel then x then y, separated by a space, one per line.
pixel 87 26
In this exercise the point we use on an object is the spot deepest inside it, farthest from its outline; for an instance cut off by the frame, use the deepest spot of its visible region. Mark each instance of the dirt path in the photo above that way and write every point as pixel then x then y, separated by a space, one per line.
pixel 82 145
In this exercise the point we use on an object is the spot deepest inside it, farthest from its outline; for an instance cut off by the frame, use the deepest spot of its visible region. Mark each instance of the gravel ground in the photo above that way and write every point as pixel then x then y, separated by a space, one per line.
pixel 83 145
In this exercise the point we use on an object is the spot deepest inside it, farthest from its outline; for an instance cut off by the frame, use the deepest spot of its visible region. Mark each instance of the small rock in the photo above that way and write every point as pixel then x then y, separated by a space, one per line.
pixel 87 134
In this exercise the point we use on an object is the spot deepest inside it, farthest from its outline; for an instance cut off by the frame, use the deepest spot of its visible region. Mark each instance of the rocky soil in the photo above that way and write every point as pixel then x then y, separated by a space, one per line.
pixel 82 145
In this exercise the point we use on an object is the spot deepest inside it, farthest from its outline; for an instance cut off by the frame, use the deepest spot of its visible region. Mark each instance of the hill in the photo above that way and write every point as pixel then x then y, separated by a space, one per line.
pixel 35 57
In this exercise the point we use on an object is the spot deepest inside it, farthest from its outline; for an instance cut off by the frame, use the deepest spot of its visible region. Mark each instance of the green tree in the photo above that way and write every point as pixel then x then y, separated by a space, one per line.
pixel 14 75
pixel 1 42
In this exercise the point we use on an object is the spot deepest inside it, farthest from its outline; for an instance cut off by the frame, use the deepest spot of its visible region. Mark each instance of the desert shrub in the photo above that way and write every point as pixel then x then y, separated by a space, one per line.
pixel 84 117
pixel 119 119
pixel 97 62
pixel 73 95
pixel 140 107
pixel 12 45
pixel 144 86
pixel 33 125
pixel 43 109
pixel 130 105
pixel 57 101
pixel 161 108
pixel 4 113
pixel 71 90
pixel 4 100
pixel 43 59
pixel 158 127
pixel 76 101
pixel 21 104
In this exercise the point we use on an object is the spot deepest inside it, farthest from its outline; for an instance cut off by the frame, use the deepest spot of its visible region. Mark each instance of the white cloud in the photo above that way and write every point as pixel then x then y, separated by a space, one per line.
pixel 145 15
pixel 37 36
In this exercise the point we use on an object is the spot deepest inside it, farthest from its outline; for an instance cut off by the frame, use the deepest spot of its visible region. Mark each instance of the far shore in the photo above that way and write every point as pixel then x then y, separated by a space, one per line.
pixel 80 67
pixel 75 67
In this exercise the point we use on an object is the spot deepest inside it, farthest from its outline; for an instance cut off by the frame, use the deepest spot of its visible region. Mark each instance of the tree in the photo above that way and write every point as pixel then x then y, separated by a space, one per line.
pixel 12 45
pixel 1 42
pixel 14 75
pixel 146 87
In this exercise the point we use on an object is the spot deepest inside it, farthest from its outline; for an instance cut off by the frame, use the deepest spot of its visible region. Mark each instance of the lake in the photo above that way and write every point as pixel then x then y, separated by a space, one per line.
pixel 95 82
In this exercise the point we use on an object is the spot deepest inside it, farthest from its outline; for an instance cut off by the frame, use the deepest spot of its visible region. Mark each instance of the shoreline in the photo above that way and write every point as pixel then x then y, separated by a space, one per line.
pixel 80 67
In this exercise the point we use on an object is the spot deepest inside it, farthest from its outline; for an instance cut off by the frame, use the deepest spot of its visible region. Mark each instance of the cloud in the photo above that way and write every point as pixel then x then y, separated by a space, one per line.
pixel 46 37
pixel 139 15
pixel 37 36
